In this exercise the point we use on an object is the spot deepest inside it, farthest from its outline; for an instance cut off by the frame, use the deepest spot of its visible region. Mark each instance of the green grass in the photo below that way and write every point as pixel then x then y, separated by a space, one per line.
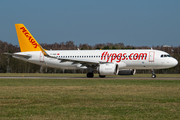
pixel 81 75
pixel 89 99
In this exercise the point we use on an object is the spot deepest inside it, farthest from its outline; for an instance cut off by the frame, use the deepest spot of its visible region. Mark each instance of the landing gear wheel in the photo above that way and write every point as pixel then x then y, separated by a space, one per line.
pixel 102 76
pixel 153 76
pixel 90 75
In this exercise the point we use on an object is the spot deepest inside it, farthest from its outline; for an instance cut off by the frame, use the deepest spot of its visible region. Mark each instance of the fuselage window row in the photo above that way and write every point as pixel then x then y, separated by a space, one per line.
pixel 102 56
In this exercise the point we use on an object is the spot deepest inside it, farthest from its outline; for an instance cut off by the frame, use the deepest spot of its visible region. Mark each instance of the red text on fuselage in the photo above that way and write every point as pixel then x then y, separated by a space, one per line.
pixel 109 57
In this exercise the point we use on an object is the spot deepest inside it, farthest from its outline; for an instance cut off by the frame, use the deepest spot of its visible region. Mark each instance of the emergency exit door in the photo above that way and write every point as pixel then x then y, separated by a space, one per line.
pixel 41 57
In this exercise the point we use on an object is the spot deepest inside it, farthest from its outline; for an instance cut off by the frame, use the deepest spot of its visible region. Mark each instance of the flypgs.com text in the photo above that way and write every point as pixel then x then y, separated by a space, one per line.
pixel 123 56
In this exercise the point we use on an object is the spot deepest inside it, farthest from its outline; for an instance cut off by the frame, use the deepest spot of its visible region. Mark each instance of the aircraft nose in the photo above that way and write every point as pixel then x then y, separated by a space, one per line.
pixel 174 62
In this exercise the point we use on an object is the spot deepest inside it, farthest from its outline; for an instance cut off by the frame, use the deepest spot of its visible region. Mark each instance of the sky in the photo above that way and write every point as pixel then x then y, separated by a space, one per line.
pixel 132 22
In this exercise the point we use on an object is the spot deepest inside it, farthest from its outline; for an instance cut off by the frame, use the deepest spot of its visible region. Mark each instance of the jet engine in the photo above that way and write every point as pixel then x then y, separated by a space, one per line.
pixel 108 69
pixel 127 72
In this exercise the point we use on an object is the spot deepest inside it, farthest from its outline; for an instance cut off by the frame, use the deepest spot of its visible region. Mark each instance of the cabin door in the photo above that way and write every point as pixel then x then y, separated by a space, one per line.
pixel 151 56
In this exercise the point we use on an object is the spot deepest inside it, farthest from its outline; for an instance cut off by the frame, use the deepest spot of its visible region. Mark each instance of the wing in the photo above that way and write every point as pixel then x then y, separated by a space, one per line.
pixel 79 61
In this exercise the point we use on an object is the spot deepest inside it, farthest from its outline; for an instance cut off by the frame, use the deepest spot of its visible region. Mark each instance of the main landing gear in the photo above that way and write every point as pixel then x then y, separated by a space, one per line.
pixel 102 76
pixel 90 75
pixel 153 74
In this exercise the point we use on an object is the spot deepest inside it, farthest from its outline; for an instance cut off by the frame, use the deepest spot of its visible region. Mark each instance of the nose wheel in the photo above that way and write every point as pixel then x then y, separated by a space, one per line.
pixel 153 74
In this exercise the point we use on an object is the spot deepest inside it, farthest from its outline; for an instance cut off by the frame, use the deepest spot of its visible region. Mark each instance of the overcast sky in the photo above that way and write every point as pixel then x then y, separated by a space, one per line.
pixel 132 22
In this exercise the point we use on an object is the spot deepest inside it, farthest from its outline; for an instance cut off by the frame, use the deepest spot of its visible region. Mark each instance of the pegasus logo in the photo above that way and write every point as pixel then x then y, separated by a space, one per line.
pixel 30 38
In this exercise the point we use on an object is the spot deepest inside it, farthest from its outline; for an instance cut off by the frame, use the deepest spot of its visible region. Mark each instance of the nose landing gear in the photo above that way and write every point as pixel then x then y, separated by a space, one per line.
pixel 153 74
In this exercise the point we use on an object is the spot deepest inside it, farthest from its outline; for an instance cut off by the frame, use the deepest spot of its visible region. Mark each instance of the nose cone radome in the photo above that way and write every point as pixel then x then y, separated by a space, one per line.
pixel 174 62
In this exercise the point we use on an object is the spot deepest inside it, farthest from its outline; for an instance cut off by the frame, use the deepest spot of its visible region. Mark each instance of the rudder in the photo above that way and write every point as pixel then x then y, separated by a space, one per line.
pixel 26 40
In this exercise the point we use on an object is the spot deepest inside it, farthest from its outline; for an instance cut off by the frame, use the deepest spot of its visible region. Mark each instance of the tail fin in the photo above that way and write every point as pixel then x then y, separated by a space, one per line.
pixel 26 40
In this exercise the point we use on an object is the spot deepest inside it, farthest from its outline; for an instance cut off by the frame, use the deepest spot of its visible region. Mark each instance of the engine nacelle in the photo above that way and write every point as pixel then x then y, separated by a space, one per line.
pixel 127 72
pixel 108 69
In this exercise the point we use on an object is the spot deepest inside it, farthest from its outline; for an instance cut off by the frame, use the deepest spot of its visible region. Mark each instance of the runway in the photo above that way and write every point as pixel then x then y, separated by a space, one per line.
pixel 130 78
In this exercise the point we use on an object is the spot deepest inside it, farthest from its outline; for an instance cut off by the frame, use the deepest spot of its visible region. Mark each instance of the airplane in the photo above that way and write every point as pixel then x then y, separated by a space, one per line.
pixel 105 62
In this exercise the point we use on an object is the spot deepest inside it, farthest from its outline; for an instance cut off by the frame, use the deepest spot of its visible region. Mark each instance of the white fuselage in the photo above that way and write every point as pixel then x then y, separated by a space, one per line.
pixel 127 59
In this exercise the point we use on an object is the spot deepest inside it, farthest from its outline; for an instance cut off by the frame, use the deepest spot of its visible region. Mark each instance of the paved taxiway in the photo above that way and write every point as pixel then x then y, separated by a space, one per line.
pixel 135 78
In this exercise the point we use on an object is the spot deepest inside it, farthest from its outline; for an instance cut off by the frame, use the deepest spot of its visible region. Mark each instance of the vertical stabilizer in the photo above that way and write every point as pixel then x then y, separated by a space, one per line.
pixel 26 40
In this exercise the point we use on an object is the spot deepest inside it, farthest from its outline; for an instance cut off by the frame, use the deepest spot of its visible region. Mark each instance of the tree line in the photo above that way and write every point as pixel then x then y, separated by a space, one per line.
pixel 10 64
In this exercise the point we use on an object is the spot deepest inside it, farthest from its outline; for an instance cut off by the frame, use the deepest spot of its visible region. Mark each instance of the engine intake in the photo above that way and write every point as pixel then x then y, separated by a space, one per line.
pixel 108 69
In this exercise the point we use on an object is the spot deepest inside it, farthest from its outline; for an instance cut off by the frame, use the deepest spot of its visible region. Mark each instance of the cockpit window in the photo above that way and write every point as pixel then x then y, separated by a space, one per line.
pixel 165 55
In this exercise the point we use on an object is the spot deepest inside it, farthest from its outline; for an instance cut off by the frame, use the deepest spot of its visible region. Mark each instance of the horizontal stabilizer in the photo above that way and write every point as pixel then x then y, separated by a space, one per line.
pixel 18 55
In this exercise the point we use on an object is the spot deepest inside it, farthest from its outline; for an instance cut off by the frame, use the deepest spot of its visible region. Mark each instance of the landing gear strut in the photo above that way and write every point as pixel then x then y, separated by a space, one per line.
pixel 153 74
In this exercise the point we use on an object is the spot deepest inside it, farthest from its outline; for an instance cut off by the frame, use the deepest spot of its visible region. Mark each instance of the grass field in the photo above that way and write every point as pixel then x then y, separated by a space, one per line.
pixel 82 99
pixel 82 75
